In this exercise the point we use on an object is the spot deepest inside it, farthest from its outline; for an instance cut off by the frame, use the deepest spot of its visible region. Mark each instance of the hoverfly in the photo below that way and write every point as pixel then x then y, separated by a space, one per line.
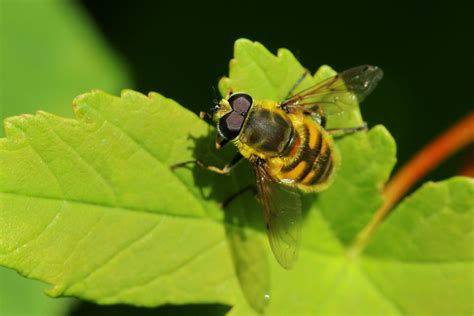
pixel 288 146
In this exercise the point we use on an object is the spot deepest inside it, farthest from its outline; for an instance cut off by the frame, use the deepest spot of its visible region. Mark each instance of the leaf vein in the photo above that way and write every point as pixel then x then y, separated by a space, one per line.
pixel 383 295
pixel 88 164
pixel 172 270
pixel 56 178
pixel 46 227
pixel 80 241
pixel 122 249
pixel 150 154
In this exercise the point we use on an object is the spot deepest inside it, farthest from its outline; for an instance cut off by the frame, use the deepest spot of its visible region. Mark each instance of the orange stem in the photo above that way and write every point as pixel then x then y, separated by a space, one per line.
pixel 457 137
pixel 454 139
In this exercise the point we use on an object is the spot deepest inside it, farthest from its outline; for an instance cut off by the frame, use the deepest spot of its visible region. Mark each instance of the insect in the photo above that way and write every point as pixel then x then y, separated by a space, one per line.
pixel 289 147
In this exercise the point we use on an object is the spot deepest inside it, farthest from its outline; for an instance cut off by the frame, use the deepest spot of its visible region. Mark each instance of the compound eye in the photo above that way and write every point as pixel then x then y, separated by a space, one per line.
pixel 230 125
pixel 240 102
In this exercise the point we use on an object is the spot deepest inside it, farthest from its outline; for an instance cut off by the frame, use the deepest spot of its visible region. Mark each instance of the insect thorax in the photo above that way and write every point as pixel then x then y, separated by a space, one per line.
pixel 267 131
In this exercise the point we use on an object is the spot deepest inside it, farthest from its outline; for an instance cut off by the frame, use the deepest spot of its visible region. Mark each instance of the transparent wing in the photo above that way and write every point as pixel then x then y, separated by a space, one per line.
pixel 336 94
pixel 282 213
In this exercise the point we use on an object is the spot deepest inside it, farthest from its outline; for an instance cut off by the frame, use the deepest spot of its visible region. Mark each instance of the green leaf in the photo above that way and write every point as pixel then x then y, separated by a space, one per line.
pixel 44 48
pixel 91 207
pixel 51 51
pixel 385 279
pixel 107 205
pixel 428 240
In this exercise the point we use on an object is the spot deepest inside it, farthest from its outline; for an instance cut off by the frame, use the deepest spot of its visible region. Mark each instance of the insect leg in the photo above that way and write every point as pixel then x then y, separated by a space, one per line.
pixel 227 168
pixel 339 132
pixel 297 83
pixel 227 201
pixel 320 116
pixel 322 119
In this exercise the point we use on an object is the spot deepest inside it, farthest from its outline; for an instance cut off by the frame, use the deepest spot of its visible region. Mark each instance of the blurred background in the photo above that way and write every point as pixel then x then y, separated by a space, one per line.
pixel 52 51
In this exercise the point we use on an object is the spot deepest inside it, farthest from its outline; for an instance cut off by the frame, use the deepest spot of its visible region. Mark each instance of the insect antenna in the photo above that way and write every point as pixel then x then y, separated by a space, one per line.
pixel 216 98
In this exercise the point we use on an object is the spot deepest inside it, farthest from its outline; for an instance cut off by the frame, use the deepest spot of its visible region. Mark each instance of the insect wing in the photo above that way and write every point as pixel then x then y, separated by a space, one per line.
pixel 338 93
pixel 282 214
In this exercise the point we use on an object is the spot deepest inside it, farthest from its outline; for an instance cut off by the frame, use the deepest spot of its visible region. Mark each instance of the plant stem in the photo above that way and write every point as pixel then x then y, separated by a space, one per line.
pixel 451 141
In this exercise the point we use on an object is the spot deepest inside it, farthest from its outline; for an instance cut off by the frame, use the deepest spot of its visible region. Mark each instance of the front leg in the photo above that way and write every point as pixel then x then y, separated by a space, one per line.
pixel 225 171
pixel 339 132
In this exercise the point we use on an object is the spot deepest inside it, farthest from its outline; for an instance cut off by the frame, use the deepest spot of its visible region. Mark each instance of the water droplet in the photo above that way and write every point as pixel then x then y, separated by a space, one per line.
pixel 266 297
pixel 366 84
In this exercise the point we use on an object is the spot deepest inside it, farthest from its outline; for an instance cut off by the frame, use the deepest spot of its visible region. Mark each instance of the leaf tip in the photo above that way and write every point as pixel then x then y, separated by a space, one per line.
pixel 78 101
pixel 9 128
pixel 80 98
pixel 83 102
pixel 127 93
pixel 153 95
pixel 55 291
pixel 43 114
pixel 14 126
pixel 324 72
pixel 18 121
pixel 379 135
pixel 283 53
pixel 243 45
pixel 242 42
pixel 224 85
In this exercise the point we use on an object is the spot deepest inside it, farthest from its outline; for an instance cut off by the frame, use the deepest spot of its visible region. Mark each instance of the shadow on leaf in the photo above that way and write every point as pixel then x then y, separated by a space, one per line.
pixel 90 309
pixel 242 215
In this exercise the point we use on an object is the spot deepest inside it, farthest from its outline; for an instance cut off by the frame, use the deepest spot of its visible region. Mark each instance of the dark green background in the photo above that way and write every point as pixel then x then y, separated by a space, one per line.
pixel 426 49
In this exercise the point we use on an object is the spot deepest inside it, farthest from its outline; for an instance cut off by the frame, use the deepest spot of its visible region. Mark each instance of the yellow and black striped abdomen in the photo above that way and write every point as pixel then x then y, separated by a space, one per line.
pixel 311 161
